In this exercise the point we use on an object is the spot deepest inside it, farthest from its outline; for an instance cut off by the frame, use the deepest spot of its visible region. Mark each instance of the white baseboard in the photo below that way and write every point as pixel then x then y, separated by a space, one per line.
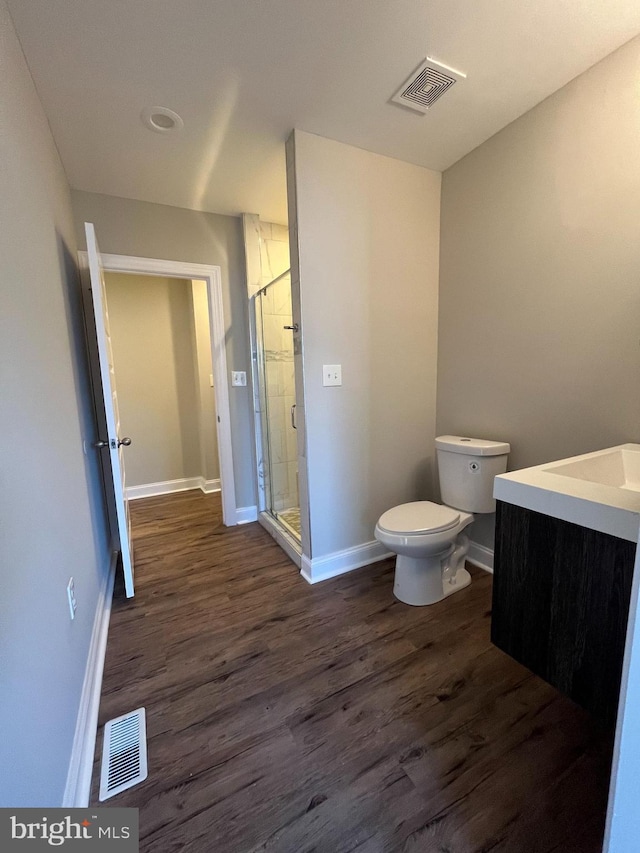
pixel 245 514
pixel 480 556
pixel 322 568
pixel 167 487
pixel 339 562
pixel 78 788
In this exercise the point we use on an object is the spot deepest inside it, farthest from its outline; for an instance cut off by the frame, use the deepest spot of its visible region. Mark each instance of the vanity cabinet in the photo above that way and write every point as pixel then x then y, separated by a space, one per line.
pixel 561 597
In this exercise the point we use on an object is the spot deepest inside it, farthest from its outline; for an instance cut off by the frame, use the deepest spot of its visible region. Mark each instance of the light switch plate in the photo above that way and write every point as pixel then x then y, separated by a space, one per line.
pixel 238 377
pixel 332 374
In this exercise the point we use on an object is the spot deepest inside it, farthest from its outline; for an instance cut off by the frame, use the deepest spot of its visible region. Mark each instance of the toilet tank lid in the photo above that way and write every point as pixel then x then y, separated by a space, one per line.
pixel 472 446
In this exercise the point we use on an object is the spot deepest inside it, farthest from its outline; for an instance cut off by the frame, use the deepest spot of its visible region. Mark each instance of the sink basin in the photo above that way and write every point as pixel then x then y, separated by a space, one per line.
pixel 599 490
pixel 619 466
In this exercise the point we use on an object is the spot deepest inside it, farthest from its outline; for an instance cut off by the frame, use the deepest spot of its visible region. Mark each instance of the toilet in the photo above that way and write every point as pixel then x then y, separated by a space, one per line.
pixel 428 537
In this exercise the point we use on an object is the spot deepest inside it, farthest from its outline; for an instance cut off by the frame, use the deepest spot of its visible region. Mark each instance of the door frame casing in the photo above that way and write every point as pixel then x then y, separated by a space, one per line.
pixel 213 279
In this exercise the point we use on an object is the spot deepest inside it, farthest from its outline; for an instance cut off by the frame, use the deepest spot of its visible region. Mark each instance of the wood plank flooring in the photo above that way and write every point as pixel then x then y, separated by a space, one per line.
pixel 291 718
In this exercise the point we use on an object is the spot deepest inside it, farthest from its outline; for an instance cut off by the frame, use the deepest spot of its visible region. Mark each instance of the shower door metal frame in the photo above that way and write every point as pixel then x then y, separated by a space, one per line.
pixel 255 335
pixel 266 514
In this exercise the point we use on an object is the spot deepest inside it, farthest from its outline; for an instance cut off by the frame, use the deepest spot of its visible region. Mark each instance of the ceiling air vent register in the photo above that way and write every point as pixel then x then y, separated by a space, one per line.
pixel 423 88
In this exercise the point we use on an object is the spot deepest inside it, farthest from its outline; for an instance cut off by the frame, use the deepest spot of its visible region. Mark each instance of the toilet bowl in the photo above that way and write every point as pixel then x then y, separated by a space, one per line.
pixel 431 548
pixel 428 537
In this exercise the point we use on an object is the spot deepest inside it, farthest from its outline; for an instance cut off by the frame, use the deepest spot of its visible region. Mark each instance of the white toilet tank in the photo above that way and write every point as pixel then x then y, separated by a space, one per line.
pixel 467 467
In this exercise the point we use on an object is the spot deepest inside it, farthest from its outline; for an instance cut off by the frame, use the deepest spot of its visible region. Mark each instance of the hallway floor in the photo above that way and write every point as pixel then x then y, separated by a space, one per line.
pixel 331 718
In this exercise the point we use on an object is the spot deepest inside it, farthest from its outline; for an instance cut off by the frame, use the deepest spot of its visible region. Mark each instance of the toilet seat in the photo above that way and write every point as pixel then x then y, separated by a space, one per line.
pixel 418 518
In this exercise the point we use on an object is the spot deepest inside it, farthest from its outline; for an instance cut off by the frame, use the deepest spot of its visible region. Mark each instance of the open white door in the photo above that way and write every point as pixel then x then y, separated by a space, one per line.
pixel 111 443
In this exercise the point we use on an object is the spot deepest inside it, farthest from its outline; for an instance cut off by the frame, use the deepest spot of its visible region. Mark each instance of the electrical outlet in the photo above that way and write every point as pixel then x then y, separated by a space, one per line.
pixel 71 597
pixel 239 377
pixel 332 374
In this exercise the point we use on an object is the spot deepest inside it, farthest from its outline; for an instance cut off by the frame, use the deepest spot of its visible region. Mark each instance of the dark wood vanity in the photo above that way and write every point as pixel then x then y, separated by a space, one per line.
pixel 561 597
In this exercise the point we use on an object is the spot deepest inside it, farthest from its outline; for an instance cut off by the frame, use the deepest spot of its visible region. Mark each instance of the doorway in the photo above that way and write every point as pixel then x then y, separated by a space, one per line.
pixel 161 345
pixel 210 275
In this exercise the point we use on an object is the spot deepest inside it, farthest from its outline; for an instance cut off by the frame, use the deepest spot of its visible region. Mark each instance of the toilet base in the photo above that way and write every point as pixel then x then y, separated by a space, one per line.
pixel 419 581
pixel 460 581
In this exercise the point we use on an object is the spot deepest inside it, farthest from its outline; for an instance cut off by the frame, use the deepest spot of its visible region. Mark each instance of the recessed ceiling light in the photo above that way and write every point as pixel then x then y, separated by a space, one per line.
pixel 161 119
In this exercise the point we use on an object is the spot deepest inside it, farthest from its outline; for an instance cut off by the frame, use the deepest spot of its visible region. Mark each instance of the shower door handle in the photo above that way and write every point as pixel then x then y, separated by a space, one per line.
pixel 293 416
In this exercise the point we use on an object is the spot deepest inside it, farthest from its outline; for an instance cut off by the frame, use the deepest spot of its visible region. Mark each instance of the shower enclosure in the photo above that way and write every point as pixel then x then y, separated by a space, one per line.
pixel 275 405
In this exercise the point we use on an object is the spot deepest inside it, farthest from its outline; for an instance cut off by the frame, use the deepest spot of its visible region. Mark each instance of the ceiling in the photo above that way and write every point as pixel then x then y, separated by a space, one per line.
pixel 243 73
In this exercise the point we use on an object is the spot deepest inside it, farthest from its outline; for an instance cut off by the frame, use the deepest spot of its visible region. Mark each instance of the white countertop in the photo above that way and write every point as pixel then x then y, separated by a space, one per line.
pixel 611 509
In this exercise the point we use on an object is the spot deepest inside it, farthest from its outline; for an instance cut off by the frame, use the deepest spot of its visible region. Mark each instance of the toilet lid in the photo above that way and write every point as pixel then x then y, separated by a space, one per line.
pixel 418 517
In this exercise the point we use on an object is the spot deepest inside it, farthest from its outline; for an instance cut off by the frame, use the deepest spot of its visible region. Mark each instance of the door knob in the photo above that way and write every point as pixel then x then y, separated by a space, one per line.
pixel 112 443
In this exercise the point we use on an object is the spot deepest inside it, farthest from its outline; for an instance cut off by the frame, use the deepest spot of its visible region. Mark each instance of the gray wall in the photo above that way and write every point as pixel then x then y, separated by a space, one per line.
pixel 52 522
pixel 367 238
pixel 151 321
pixel 128 227
pixel 539 284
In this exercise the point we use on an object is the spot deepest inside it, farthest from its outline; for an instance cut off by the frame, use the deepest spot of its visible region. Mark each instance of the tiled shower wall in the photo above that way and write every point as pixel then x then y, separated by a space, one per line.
pixel 274 251
pixel 267 257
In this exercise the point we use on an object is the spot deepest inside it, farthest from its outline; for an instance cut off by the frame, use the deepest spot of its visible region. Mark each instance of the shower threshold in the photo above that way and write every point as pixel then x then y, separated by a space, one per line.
pixel 290 519
pixel 284 536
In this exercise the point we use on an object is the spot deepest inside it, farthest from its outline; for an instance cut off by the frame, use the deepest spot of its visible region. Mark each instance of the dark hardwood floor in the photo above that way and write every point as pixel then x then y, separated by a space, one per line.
pixel 331 718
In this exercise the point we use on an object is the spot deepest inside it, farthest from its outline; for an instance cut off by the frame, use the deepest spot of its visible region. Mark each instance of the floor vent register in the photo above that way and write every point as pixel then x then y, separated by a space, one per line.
pixel 124 754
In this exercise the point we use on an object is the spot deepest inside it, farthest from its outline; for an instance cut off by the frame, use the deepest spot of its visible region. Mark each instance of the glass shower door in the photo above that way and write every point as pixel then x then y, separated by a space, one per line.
pixel 277 402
